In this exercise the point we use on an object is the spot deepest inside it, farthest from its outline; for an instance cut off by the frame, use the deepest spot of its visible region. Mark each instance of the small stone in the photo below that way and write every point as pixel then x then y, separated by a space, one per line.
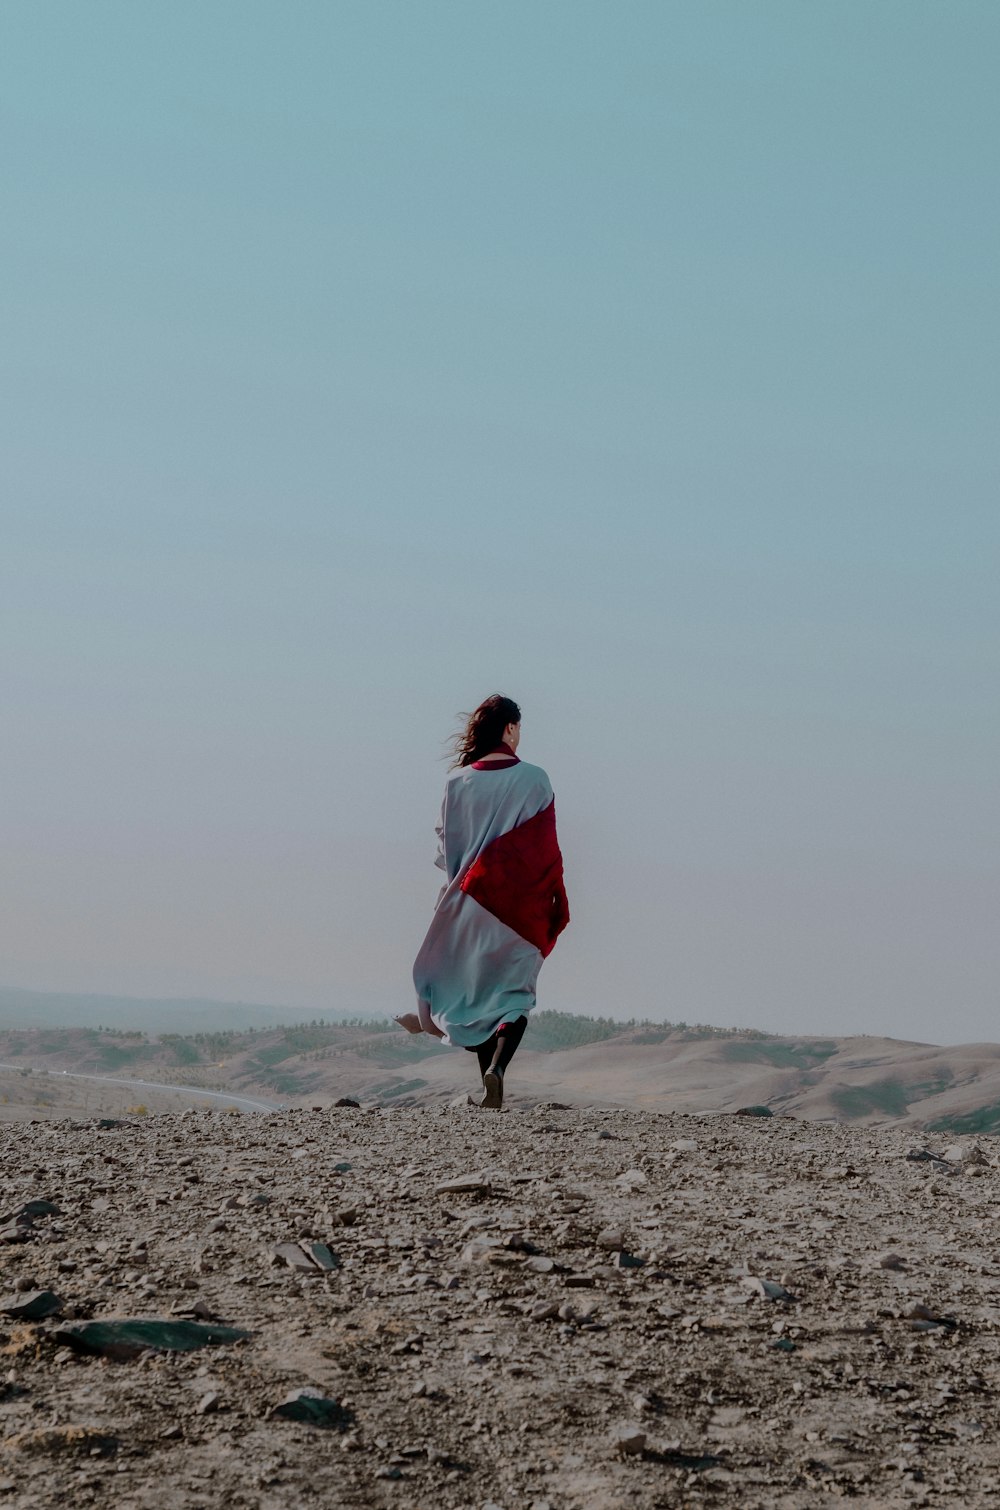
pixel 630 1441
pixel 479 1249
pixel 464 1184
pixel 540 1265
pixel 684 1145
pixel 964 1153
pixel 388 1471
pixel 767 1289
pixel 918 1155
pixel 579 1281
pixel 295 1257
pixel 171 1434
pixel 612 1238
pixel 209 1403
pixel 544 1310
pixel 892 1261
pixel 631 1178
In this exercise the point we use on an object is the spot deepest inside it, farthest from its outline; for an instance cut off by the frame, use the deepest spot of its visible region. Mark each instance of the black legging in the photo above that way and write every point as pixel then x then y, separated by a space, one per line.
pixel 508 1035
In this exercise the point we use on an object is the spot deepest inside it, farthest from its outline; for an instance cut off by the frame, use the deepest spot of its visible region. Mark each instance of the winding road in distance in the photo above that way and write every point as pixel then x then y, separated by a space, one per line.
pixel 245 1103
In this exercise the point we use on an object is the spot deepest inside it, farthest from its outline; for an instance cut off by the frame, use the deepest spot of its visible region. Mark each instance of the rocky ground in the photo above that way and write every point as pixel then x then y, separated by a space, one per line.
pixel 546 1307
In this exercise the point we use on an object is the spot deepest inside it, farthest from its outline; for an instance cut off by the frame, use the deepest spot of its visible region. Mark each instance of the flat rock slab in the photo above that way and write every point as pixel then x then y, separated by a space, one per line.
pixel 123 1340
pixel 464 1184
pixel 33 1305
pixel 307 1257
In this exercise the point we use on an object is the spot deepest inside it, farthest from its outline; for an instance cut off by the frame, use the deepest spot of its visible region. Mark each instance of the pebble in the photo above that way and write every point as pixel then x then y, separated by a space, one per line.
pixel 611 1238
pixel 629 1440
pixel 767 1289
pixel 463 1184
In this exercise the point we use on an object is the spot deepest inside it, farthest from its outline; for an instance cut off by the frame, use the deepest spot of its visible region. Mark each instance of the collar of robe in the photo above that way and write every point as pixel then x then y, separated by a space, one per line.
pixel 497 765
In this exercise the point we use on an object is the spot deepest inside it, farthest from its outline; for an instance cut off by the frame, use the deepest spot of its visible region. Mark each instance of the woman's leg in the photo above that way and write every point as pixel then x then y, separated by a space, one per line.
pixel 484 1053
pixel 508 1035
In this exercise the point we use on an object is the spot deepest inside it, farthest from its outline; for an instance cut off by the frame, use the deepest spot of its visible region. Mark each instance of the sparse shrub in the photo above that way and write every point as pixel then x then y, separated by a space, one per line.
pixel 141 1110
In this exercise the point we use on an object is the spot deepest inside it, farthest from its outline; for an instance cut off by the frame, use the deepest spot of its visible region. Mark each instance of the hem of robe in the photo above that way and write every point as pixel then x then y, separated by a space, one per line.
pixel 464 1022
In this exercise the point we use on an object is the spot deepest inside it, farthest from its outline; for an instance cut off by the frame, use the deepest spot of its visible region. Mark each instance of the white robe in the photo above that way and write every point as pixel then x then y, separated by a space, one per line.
pixel 473 971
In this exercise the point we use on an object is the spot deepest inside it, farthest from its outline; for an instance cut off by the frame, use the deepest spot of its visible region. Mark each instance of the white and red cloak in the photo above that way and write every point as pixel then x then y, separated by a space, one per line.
pixel 503 905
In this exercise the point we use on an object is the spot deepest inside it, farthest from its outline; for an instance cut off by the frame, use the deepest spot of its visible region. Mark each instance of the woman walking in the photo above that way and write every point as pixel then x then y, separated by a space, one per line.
pixel 503 904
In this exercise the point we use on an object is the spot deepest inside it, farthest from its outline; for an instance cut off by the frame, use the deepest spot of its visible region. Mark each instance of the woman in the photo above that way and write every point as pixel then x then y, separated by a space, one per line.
pixel 503 904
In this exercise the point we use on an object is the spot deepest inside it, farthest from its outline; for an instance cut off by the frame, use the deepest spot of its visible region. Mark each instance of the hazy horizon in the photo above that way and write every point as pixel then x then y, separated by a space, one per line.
pixel 639 362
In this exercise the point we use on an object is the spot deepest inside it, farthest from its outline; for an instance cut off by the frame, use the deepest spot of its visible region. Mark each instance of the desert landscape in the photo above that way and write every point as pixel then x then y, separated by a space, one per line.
pixel 584 1061
pixel 553 1307
pixel 684 1265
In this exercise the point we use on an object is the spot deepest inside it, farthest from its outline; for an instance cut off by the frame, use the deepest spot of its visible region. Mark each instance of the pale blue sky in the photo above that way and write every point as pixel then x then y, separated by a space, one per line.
pixel 637 360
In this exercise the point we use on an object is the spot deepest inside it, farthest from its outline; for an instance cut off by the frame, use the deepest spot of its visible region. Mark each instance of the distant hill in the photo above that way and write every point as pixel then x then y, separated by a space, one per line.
pixel 578 1060
pixel 49 1009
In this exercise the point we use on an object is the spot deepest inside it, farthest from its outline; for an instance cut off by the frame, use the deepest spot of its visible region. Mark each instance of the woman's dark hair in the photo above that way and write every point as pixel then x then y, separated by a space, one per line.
pixel 484 729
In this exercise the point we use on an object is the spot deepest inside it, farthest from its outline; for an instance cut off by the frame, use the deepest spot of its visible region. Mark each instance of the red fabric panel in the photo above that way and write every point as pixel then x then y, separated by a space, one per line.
pixel 519 878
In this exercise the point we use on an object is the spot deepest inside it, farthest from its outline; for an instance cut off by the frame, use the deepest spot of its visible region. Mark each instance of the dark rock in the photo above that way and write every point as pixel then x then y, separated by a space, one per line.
pixel 623 1260
pixel 629 1440
pixel 322 1256
pixel 312 1407
pixel 754 1111
pixel 34 1305
pixel 30 1211
pixel 924 1156
pixel 347 1101
pixel 123 1340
